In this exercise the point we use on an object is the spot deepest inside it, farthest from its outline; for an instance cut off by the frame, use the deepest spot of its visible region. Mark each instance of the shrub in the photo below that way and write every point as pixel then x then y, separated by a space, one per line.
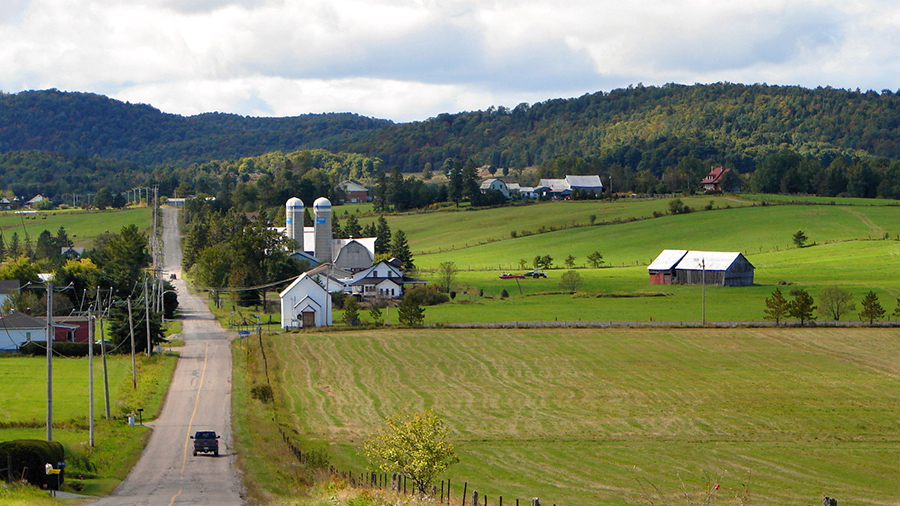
pixel 427 295
pixel 504 294
pixel 263 393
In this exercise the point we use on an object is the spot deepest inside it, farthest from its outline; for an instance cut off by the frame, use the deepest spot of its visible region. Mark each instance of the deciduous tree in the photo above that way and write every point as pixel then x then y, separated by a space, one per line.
pixel 595 259
pixel 835 302
pixel 570 281
pixel 415 445
pixel 446 274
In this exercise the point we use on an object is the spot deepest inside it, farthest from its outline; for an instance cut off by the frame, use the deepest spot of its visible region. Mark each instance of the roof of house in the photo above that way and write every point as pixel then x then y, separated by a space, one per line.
pixel 555 185
pixel 353 186
pixel 9 285
pixel 486 184
pixel 18 320
pixel 714 175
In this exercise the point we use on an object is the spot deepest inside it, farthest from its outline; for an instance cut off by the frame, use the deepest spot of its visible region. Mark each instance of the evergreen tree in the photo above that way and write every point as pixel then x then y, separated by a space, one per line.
pixel 802 306
pixel 352 228
pixel 351 312
pixel 776 307
pixel 46 247
pixel 2 248
pixel 336 231
pixel 872 309
pixel 15 249
pixel 409 312
pixel 455 186
pixel 400 250
pixel 383 236
pixel 470 187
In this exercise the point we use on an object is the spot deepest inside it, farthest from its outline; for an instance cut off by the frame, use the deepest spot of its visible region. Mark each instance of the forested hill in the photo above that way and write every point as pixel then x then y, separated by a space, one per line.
pixel 652 128
pixel 55 142
pixel 84 124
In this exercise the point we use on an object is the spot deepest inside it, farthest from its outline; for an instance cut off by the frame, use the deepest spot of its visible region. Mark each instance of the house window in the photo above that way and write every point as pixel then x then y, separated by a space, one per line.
pixel 28 336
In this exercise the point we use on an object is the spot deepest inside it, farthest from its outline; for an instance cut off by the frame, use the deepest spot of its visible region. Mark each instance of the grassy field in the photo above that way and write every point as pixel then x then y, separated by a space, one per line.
pixel 82 226
pixel 775 416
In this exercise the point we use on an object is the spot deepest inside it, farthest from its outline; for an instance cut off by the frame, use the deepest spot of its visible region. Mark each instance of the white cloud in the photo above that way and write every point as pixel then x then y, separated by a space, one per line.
pixel 410 59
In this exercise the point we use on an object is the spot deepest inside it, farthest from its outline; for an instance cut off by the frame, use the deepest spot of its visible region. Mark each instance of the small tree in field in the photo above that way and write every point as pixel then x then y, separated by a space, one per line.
pixel 802 306
pixel 799 239
pixel 595 259
pixel 776 307
pixel 835 302
pixel 570 262
pixel 570 281
pixel 872 309
pixel 446 274
pixel 414 445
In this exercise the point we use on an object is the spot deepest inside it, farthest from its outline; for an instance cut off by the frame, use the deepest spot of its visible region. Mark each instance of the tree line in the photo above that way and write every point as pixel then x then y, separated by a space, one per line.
pixel 834 303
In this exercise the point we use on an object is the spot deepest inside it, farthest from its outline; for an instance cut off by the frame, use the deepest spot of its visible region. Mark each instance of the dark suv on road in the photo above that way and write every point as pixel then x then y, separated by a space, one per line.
pixel 206 441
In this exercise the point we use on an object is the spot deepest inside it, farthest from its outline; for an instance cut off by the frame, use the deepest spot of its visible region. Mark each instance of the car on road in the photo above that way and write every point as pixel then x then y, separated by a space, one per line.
pixel 206 441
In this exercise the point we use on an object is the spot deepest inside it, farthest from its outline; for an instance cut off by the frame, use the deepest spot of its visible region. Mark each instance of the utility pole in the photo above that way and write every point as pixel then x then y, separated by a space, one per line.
pixel 103 351
pixel 50 336
pixel 131 331
pixel 91 374
pixel 147 311
pixel 703 281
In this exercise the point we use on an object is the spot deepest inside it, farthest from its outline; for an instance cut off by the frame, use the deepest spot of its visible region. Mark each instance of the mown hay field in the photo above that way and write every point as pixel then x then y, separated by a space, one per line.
pixel 618 416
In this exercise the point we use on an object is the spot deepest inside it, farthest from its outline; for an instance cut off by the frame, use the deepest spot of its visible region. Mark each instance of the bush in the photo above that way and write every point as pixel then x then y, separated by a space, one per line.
pixel 427 296
pixel 262 392
pixel 29 456
pixel 504 294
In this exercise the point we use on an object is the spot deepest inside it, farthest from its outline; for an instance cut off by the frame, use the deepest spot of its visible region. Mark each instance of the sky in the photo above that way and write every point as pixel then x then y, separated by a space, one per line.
pixel 409 60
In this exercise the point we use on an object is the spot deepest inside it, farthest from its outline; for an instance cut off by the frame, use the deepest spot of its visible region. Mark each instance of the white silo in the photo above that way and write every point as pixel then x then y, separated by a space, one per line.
pixel 322 227
pixel 293 217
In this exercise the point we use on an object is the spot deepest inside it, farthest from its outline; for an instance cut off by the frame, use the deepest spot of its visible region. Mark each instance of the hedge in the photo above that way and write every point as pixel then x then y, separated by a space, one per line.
pixel 60 348
pixel 29 456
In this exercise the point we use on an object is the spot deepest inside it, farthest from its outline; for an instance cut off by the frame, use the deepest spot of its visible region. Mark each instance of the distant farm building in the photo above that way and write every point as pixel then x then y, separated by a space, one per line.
pixel 495 184
pixel 565 187
pixel 698 267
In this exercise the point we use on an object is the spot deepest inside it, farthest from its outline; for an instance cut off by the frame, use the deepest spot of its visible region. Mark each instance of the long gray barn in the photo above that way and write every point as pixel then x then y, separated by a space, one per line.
pixel 697 267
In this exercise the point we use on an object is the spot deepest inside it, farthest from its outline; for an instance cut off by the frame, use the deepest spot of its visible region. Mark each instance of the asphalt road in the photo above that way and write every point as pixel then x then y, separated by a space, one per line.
pixel 199 399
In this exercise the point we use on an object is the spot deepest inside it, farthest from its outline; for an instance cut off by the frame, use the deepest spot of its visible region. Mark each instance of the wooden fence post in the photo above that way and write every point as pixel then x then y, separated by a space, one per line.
pixel 474 498
pixel 465 486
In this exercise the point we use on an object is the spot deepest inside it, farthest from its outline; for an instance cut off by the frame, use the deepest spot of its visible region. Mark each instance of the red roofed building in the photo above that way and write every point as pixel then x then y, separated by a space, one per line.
pixel 712 181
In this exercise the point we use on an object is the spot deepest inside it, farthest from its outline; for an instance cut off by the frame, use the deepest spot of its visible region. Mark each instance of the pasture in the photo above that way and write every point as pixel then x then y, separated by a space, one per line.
pixel 81 226
pixel 617 416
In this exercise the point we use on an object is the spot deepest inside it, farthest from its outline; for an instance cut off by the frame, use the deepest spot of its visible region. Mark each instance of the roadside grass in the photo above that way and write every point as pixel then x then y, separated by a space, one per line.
pixel 616 416
pixel 117 445
pixel 81 226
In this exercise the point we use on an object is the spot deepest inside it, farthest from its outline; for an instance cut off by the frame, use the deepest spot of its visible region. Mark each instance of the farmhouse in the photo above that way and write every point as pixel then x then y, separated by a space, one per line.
pixel 383 280
pixel 714 181
pixel 699 267
pixel 355 192
pixel 18 328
